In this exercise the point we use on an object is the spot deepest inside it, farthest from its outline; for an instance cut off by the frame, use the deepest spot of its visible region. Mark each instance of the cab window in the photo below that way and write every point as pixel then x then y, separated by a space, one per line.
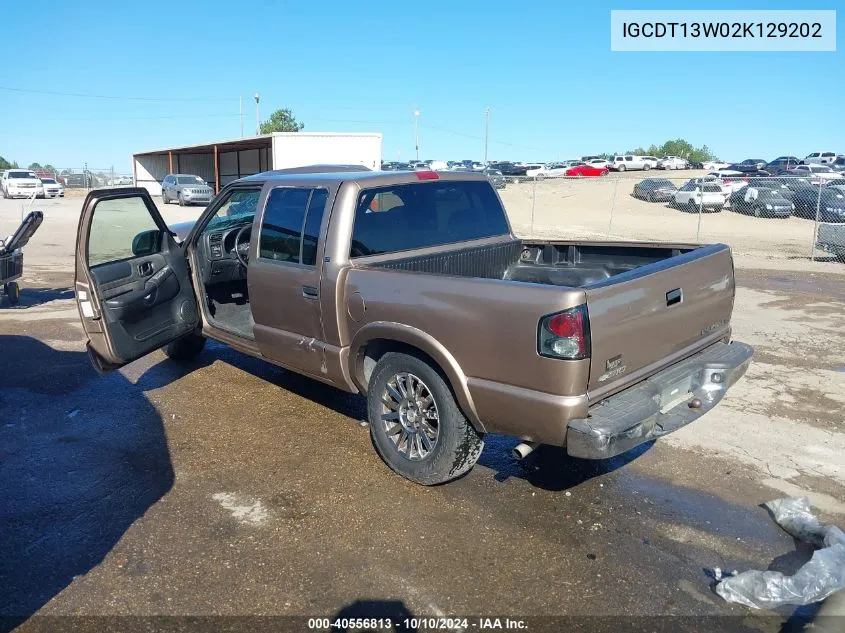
pixel 290 228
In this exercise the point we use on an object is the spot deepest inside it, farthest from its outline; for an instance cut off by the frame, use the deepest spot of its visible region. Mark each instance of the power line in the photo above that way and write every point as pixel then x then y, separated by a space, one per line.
pixel 115 97
pixel 142 118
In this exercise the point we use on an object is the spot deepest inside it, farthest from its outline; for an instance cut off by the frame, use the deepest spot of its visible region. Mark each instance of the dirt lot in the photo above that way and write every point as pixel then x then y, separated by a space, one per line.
pixel 233 487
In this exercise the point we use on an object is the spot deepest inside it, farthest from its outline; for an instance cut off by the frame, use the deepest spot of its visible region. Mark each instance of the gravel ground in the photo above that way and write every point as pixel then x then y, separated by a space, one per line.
pixel 233 487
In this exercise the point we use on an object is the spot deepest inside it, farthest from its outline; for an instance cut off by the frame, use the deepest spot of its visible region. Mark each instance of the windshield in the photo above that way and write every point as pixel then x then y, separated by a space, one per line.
pixel 239 208
pixel 190 180
pixel 48 181
pixel 22 174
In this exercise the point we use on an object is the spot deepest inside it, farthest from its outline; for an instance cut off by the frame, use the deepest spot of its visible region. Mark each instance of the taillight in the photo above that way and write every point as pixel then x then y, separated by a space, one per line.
pixel 565 334
pixel 427 175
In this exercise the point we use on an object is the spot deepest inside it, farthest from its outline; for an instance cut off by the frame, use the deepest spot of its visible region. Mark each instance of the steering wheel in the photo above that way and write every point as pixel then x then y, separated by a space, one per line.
pixel 241 249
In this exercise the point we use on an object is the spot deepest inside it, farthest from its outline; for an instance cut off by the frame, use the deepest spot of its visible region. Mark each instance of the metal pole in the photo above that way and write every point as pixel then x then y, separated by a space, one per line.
pixel 241 99
pixel 700 208
pixel 486 131
pixel 816 224
pixel 417 132
pixel 257 115
pixel 612 206
pixel 533 204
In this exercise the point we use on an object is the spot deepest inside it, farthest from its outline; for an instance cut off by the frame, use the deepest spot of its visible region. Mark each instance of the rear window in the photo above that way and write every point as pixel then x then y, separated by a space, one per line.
pixel 404 217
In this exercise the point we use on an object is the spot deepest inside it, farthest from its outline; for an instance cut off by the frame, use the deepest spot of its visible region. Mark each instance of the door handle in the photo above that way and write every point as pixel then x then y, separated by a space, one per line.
pixel 310 292
pixel 674 296
pixel 145 268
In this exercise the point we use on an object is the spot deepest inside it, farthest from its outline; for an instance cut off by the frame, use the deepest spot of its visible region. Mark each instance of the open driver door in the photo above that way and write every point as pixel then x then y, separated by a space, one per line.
pixel 133 284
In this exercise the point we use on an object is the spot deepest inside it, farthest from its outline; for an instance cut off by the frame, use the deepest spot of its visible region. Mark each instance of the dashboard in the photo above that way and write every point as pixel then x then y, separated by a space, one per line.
pixel 216 249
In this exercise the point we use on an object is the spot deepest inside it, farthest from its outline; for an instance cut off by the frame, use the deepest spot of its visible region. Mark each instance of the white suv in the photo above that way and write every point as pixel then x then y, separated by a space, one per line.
pixel 820 158
pixel 627 162
pixel 21 183
pixel 672 162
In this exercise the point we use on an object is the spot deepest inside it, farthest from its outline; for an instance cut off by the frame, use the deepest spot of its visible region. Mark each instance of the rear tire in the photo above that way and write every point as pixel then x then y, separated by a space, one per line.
pixel 186 348
pixel 621 168
pixel 442 446
pixel 13 291
pixel 646 167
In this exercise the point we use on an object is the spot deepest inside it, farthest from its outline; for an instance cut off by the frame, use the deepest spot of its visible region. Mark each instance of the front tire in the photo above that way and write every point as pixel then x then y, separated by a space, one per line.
pixel 649 197
pixel 181 200
pixel 13 291
pixel 164 199
pixel 186 348
pixel 416 425
pixel 646 167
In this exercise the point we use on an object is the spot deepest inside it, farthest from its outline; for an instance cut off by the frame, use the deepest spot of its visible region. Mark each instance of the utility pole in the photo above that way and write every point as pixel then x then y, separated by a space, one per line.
pixel 417 132
pixel 242 115
pixel 257 116
pixel 486 131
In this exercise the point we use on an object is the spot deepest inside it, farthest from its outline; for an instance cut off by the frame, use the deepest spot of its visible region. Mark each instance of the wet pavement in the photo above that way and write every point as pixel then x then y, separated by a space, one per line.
pixel 229 486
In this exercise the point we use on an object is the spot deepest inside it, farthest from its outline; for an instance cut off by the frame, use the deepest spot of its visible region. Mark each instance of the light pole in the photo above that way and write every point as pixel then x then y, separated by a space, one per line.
pixel 417 132
pixel 486 131
pixel 257 116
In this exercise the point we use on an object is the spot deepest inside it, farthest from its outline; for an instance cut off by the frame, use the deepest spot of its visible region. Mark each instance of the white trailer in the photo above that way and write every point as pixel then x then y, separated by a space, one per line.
pixel 297 149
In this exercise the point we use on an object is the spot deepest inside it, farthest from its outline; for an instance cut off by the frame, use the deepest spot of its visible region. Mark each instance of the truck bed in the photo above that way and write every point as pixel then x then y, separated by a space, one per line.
pixel 569 264
pixel 649 305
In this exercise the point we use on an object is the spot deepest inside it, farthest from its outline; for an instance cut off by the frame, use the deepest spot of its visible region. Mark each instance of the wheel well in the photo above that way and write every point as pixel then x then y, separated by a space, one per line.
pixel 372 352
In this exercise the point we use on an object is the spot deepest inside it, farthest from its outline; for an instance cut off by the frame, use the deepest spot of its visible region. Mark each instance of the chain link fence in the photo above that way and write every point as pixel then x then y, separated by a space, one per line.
pixel 85 178
pixel 776 217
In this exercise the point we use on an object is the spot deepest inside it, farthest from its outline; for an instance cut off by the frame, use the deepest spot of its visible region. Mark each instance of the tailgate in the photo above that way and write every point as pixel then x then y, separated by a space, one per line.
pixel 648 318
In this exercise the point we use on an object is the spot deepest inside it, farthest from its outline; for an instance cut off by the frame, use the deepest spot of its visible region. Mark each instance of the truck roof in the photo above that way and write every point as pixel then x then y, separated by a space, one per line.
pixel 358 173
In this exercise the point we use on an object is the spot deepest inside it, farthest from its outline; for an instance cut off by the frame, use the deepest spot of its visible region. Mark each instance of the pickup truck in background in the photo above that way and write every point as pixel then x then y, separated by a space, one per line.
pixel 410 288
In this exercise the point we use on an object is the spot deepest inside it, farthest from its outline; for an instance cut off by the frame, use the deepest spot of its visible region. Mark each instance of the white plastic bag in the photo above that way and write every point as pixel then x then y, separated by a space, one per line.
pixel 822 575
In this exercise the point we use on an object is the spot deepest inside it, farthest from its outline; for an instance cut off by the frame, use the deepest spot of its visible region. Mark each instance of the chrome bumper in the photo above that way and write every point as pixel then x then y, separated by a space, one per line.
pixel 660 404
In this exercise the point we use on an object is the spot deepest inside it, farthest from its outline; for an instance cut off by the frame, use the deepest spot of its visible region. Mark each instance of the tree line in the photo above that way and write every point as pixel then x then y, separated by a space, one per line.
pixel 5 164
pixel 678 147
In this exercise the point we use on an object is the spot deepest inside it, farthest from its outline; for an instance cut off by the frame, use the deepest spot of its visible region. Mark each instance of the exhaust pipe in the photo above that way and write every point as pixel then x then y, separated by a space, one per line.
pixel 523 449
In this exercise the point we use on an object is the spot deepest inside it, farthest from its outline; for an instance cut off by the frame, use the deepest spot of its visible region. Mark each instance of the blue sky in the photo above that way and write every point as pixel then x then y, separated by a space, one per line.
pixel 545 69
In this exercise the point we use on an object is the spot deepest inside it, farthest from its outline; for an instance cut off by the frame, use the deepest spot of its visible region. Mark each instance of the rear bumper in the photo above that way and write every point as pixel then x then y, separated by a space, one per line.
pixel 660 404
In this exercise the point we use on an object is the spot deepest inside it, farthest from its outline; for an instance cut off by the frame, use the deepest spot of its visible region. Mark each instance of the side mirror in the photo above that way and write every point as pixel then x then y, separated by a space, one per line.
pixel 146 243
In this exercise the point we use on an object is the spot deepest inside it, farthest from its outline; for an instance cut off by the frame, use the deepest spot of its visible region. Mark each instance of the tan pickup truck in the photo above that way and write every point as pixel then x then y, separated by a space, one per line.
pixel 409 287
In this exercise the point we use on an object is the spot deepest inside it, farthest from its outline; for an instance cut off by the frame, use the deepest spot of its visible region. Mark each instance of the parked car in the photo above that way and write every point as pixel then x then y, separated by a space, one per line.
pixel 586 171
pixel 732 180
pixel 817 173
pixel 20 183
pixel 714 165
pixel 820 158
pixel 496 178
pixel 185 188
pixel 694 164
pixel 781 163
pixel 755 163
pixel 552 170
pixel 598 162
pixel 761 202
pixel 694 196
pixel 838 164
pixel 651 161
pixel 672 162
pixel 655 190
pixel 627 163
pixel 779 185
pixel 830 203
pixel 572 352
pixel 51 188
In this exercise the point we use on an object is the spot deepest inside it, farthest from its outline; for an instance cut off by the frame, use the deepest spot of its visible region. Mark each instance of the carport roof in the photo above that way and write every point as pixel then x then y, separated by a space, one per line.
pixel 249 142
